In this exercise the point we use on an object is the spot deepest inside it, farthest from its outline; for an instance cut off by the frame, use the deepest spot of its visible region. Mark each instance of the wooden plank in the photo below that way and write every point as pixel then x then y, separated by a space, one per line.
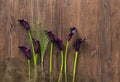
pixel 115 24
pixel 104 38
pixel 3 37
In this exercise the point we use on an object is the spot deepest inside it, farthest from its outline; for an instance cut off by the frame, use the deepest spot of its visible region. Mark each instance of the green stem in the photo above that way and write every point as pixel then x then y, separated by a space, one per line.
pixel 31 41
pixel 65 62
pixel 42 57
pixel 61 68
pixel 34 55
pixel 51 51
pixel 75 63
pixel 35 68
pixel 28 61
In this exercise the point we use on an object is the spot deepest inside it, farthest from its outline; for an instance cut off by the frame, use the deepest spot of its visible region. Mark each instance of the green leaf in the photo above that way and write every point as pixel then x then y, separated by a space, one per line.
pixel 38 32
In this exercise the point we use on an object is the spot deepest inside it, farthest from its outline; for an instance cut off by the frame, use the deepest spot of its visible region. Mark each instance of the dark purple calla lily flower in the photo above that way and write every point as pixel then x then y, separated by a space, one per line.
pixel 25 24
pixel 59 43
pixel 36 45
pixel 72 31
pixel 78 43
pixel 26 50
pixel 51 35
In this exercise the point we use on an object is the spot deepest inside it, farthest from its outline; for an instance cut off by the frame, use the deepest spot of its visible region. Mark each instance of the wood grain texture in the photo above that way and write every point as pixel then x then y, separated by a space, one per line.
pixel 96 20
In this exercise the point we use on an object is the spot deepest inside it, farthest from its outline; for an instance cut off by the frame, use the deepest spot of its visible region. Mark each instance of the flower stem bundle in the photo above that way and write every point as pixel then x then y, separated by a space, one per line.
pixel 39 45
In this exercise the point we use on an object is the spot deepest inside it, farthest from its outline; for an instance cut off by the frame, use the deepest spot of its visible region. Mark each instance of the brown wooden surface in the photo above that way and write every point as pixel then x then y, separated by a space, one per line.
pixel 96 20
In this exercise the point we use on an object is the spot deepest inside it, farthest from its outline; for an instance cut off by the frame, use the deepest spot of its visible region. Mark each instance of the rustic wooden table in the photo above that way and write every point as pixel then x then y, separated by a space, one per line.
pixel 96 20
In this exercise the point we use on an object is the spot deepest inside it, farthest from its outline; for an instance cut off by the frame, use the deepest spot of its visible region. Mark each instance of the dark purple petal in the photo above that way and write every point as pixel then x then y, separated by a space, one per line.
pixel 59 43
pixel 25 24
pixel 69 36
pixel 51 35
pixel 26 50
pixel 78 43
pixel 36 45
pixel 72 31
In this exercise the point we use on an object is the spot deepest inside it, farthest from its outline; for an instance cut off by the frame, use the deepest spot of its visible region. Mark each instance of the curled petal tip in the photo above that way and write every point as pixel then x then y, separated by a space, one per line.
pixel 81 39
pixel 73 29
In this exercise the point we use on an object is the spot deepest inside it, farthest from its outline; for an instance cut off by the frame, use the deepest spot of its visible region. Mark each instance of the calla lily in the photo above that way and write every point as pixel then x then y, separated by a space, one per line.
pixel 59 43
pixel 37 50
pixel 78 43
pixel 24 23
pixel 52 39
pixel 26 50
pixel 72 31
pixel 51 36
pixel 36 45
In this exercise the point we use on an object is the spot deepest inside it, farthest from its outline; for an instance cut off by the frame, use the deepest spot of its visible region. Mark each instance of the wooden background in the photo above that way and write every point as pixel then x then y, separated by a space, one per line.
pixel 96 20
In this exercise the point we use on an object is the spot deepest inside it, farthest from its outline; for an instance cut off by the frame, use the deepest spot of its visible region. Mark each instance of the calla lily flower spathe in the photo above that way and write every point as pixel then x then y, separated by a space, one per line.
pixel 26 50
pixel 24 23
pixel 59 43
pixel 51 36
pixel 36 45
pixel 78 43
pixel 72 31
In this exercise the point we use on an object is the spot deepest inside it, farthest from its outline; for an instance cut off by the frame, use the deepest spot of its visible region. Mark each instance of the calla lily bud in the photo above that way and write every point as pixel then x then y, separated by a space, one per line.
pixel 51 35
pixel 59 43
pixel 78 43
pixel 24 23
pixel 26 50
pixel 36 45
pixel 72 31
